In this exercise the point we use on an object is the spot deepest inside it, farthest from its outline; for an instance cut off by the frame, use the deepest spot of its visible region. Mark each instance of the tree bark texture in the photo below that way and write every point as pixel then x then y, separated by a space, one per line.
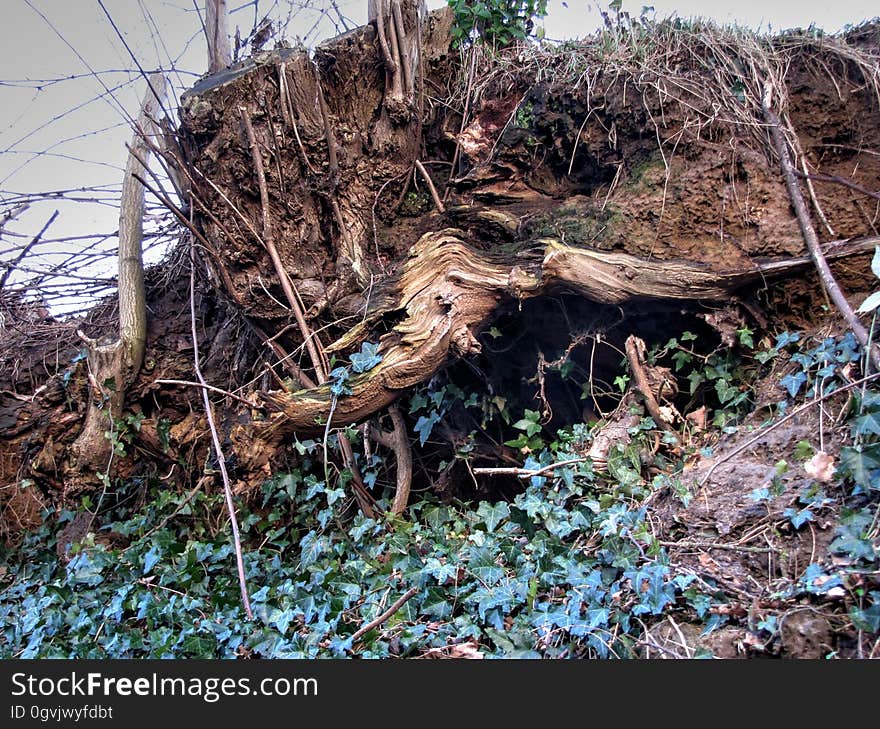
pixel 217 35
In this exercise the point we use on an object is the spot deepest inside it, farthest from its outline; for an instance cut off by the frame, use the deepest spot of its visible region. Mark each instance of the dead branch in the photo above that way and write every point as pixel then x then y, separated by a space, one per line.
pixel 809 233
pixel 210 388
pixel 132 295
pixel 118 363
pixel 330 137
pixel 635 353
pixel 364 629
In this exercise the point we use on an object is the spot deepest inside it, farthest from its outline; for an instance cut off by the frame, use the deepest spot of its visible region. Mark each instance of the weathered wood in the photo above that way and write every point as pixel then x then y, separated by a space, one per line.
pixel 448 292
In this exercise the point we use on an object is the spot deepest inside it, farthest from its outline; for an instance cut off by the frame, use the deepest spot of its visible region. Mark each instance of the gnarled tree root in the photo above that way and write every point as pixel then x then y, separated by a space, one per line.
pixel 447 291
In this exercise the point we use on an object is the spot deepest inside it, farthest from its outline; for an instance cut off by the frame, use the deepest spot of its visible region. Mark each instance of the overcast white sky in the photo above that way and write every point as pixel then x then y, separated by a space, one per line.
pixel 82 138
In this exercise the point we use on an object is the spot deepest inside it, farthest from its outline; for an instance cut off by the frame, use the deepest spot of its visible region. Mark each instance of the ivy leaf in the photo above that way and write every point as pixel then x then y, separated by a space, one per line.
pixel 817 582
pixel 868 618
pixel 505 596
pixel 366 359
pixel 529 423
pixel 84 570
pixel 437 604
pixel 868 423
pixel 792 383
pixel 531 464
pixel 482 564
pixel 862 464
pixel 680 359
pixel 440 571
pixel 312 546
pixel 785 338
pixel 314 487
pixel 425 424
pixel 260 595
pixel 726 391
pixel 493 515
pixel 851 537
pixel 280 619
pixel 650 585
pixel 418 402
pixel 339 376
pixel 695 379
pixel 151 557
pixel 798 517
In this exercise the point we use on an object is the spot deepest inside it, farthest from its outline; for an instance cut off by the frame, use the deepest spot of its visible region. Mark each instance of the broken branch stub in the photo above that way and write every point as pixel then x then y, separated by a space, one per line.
pixel 113 366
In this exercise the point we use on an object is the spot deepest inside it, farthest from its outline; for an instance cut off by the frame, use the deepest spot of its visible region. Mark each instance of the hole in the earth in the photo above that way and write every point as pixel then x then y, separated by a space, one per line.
pixel 560 357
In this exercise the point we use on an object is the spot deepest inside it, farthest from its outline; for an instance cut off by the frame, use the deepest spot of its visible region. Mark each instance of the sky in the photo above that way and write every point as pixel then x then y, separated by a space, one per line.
pixel 72 133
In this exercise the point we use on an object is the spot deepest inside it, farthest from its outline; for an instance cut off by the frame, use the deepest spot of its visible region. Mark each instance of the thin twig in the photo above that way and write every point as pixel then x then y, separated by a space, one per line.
pixel 837 179
pixel 10 267
pixel 715 545
pixel 186 499
pixel 218 449
pixel 269 242
pixel 528 472
pixel 330 138
pixel 813 197
pixel 187 383
pixel 384 616
pixel 438 203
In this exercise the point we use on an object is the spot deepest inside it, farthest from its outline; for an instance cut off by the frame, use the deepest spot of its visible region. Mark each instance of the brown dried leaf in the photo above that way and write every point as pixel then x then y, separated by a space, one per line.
pixel 820 467
pixel 698 417
pixel 466 651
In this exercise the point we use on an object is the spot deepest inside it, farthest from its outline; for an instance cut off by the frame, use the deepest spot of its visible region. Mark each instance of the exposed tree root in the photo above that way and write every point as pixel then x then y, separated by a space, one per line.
pixel 397 441
pixel 446 292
